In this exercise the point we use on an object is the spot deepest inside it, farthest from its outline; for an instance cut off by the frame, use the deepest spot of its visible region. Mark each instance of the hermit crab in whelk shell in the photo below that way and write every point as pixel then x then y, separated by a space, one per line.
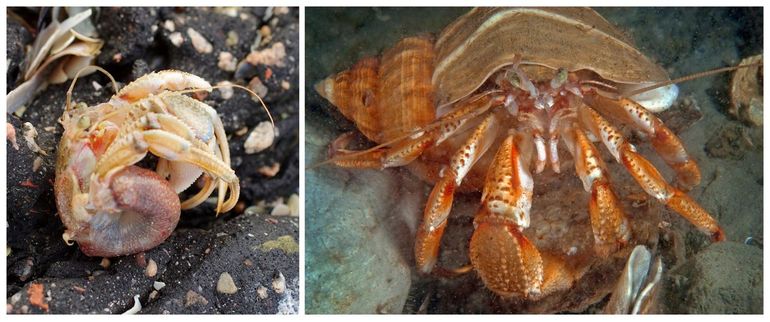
pixel 108 204
pixel 493 101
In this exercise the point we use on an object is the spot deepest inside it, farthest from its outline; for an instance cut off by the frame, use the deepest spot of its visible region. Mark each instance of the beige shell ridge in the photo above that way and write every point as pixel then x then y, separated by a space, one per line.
pixel 486 39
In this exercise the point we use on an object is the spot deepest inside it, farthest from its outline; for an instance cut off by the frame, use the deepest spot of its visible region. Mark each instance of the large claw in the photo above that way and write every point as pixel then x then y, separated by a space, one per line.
pixel 137 211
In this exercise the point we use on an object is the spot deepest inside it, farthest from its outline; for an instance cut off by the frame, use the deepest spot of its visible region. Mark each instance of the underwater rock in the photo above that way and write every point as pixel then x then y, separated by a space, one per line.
pixel 724 278
pixel 746 92
pixel 358 264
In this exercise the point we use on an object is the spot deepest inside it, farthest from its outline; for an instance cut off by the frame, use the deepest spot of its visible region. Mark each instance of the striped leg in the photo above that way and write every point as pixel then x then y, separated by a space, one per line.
pixel 508 263
pixel 440 201
pixel 608 222
pixel 647 176
pixel 403 151
pixel 663 140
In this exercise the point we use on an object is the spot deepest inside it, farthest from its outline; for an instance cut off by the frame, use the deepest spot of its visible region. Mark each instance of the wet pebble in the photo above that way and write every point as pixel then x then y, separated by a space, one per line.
pixel 226 285
pixel 293 204
pixel 226 61
pixel 256 85
pixel 158 285
pixel 192 298
pixel 176 38
pixel 279 283
pixel 152 269
pixel 136 308
pixel 262 292
pixel 199 42
pixel 270 171
pixel 226 91
pixel 232 38
pixel 260 138
pixel 105 263
pixel 169 25
pixel 281 210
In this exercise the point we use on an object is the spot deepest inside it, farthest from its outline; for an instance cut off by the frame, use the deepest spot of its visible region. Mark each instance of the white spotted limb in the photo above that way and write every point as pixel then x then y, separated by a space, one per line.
pixel 439 203
pixel 647 176
pixel 508 263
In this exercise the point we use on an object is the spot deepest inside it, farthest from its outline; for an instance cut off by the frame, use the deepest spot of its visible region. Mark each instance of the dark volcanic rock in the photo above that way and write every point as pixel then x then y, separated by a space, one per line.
pixel 192 259
pixel 130 33
pixel 18 37
pixel 47 276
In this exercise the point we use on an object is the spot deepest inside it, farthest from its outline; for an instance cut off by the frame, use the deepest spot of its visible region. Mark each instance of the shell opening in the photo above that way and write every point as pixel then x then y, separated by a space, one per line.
pixel 659 99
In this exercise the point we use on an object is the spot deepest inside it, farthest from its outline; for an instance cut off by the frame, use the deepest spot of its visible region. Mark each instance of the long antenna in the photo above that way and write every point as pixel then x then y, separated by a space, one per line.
pixel 688 78
pixel 77 75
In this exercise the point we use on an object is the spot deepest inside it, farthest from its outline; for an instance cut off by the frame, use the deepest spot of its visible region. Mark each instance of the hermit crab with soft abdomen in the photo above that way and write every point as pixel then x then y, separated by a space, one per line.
pixel 488 103
pixel 112 207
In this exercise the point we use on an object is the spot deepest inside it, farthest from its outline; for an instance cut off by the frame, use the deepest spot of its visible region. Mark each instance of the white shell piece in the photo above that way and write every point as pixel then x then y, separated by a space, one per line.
pixel 659 99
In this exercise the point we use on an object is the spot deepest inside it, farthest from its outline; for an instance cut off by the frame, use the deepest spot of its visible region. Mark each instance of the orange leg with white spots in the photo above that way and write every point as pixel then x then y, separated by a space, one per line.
pixel 663 140
pixel 609 224
pixel 647 176
pixel 403 151
pixel 508 263
pixel 440 201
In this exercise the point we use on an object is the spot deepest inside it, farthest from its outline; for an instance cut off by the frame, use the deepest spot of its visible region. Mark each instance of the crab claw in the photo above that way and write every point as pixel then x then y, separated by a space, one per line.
pixel 146 211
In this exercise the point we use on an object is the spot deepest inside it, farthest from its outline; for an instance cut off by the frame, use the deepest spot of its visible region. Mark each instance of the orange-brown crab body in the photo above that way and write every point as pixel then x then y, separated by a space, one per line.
pixel 110 206
pixel 493 101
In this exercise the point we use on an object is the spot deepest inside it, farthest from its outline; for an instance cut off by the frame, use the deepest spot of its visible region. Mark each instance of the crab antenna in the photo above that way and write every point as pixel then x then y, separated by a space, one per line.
pixel 77 75
pixel 687 78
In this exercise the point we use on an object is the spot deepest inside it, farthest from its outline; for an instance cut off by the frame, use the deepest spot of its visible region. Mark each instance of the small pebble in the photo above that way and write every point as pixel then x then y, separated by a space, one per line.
pixel 30 133
pixel 242 131
pixel 253 210
pixel 280 11
pixel 262 292
pixel 255 84
pixel 169 25
pixel 140 259
pixel 270 171
pixel 226 61
pixel 226 91
pixel 10 133
pixel 176 38
pixel 279 283
pixel 260 138
pixel 228 11
pixel 226 285
pixel 265 31
pixel 152 268
pixel 285 85
pixel 192 298
pixel 248 263
pixel 153 294
pixel 281 210
pixel 78 289
pixel 232 38
pixel 272 56
pixel 105 263
pixel 200 43
pixel 37 163
pixel 158 285
pixel 97 86
pixel 293 204
pixel 136 308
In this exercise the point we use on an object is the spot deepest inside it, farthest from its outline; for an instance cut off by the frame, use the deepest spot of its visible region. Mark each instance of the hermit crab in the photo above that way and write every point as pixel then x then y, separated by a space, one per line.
pixel 484 108
pixel 108 204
